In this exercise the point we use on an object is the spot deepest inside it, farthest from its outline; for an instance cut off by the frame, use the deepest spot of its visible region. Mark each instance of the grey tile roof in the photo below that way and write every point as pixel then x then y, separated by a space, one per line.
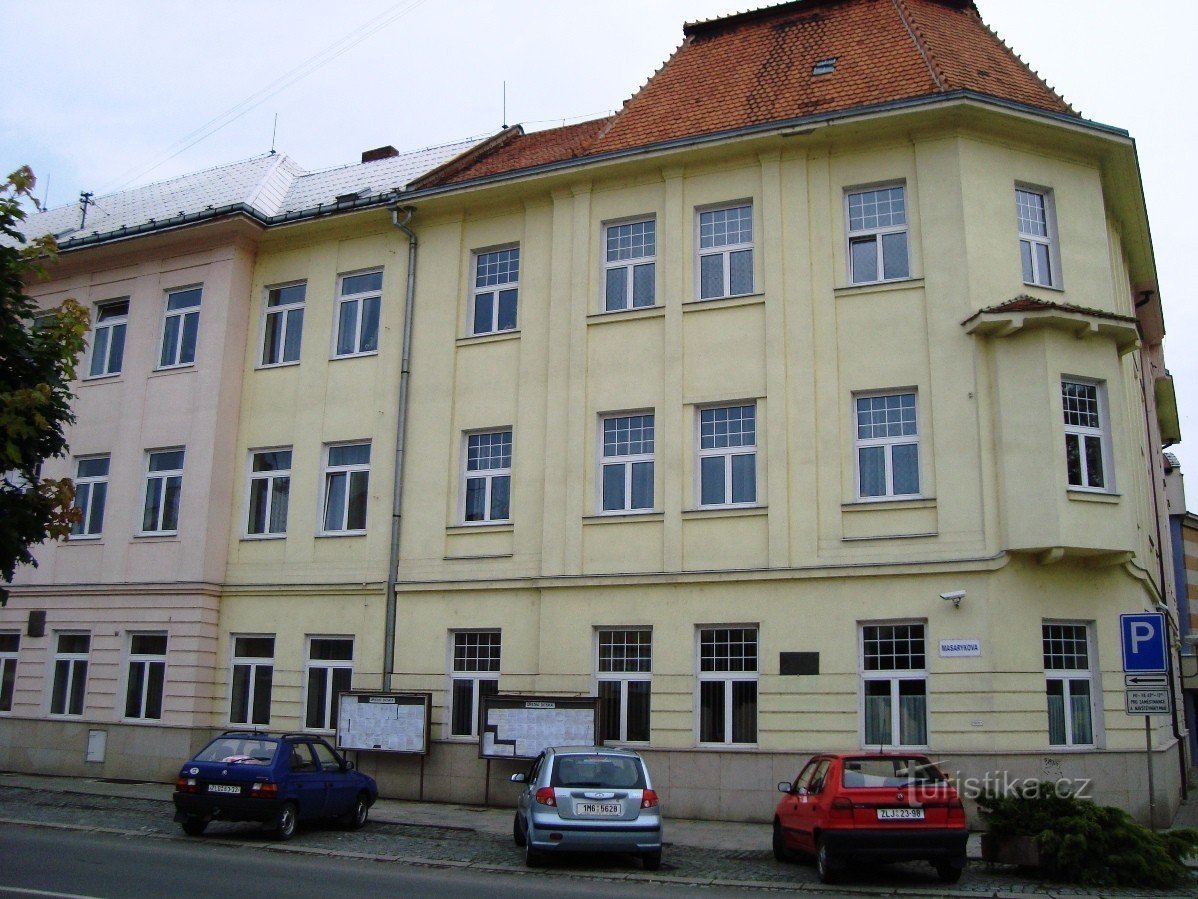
pixel 272 186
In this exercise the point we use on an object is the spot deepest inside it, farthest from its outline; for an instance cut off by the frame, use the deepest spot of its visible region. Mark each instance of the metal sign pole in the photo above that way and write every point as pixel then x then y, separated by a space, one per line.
pixel 1151 786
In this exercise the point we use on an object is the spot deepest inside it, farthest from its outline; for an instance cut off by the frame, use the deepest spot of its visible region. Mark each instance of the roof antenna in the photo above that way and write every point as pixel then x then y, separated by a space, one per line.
pixel 504 126
pixel 85 200
pixel 45 196
pixel 273 133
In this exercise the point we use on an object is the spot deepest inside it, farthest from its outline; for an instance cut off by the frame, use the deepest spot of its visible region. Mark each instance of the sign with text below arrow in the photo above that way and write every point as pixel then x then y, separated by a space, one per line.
pixel 1145 680
pixel 1147 701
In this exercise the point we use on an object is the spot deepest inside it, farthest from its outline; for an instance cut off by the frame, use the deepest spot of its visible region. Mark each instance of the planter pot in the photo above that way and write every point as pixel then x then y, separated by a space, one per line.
pixel 1010 850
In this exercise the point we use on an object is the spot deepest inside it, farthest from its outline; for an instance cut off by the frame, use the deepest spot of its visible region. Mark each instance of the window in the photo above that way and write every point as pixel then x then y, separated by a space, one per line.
pixel 627 463
pixel 887 443
pixel 69 683
pixel 727 455
pixel 164 482
pixel 108 339
pixel 894 675
pixel 10 644
pixel 180 328
pixel 728 685
pixel 270 488
pixel 1037 237
pixel 1086 442
pixel 91 491
pixel 878 235
pixel 346 487
pixel 725 252
pixel 358 314
pixel 329 671
pixel 622 671
pixel 496 287
pixel 147 674
pixel 630 251
pixel 488 476
pixel 283 326
pixel 475 655
pixel 1068 678
pixel 253 672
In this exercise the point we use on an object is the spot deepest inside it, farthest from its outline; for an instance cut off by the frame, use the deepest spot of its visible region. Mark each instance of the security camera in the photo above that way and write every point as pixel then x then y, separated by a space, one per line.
pixel 954 597
pixel 1162 607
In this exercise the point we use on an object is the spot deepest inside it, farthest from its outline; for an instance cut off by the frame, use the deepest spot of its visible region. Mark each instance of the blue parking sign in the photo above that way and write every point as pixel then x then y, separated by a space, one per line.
pixel 1144 643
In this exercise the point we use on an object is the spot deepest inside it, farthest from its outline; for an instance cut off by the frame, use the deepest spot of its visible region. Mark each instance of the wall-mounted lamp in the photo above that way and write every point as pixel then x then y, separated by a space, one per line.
pixel 954 597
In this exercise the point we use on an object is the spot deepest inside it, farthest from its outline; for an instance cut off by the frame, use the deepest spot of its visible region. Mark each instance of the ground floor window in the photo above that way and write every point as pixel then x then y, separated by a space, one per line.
pixel 328 674
pixel 10 644
pixel 146 676
pixel 894 684
pixel 253 675
pixel 474 673
pixel 69 684
pixel 625 658
pixel 727 685
pixel 1068 679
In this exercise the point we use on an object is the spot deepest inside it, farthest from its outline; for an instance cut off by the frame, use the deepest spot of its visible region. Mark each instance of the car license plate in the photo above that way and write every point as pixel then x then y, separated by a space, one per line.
pixel 900 814
pixel 223 788
pixel 598 809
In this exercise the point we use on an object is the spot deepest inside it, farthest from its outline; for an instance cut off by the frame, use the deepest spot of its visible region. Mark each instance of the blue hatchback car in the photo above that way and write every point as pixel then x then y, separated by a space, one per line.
pixel 275 779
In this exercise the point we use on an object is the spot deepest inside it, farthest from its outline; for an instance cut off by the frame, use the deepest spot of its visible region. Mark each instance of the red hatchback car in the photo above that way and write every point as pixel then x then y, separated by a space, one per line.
pixel 871 807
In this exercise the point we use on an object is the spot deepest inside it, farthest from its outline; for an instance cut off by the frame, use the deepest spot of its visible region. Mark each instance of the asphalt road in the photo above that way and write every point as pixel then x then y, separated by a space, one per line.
pixel 41 862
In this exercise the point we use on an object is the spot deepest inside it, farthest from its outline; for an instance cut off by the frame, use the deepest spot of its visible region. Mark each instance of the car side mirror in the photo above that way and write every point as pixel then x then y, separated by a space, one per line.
pixel 784 787
pixel 349 766
pixel 519 778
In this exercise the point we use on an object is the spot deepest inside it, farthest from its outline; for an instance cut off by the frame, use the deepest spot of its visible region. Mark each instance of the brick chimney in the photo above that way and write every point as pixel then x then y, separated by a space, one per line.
pixel 379 153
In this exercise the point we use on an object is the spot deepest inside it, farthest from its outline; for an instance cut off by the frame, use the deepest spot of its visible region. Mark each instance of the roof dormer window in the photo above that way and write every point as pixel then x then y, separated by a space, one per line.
pixel 824 66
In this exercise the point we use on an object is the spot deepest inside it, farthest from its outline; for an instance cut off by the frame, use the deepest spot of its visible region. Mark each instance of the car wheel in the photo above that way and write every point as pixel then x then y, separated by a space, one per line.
pixel 948 872
pixel 193 827
pixel 781 853
pixel 356 817
pixel 533 858
pixel 651 860
pixel 285 822
pixel 825 865
pixel 518 831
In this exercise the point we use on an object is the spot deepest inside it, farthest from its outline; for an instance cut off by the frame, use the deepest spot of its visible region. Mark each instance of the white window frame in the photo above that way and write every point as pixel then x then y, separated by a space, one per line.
pixel 255 664
pixel 728 678
pixel 329 671
pixel 148 662
pixel 8 670
pixel 626 265
pixel 189 319
pixel 626 461
pixel 470 670
pixel 348 470
pixel 888 445
pixel 878 234
pixel 357 300
pixel 725 250
pixel 488 476
pixel 1029 241
pixel 167 477
pixel 1083 434
pixel 727 454
pixel 101 350
pixel 895 677
pixel 1067 677
pixel 623 676
pixel 87 489
pixel 495 289
pixel 76 672
pixel 290 317
pixel 272 479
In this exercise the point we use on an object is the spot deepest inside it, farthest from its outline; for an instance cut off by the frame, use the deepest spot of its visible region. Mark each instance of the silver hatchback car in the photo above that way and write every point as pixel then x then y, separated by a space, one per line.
pixel 588 799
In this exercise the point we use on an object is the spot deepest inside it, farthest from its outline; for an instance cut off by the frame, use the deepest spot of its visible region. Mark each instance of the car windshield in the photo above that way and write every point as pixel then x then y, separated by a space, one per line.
pixel 615 772
pixel 238 751
pixel 890 771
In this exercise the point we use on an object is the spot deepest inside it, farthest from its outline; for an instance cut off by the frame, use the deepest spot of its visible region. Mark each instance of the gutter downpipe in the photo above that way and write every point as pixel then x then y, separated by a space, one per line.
pixel 400 429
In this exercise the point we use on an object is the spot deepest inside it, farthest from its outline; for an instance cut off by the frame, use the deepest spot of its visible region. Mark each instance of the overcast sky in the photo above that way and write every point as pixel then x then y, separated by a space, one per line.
pixel 101 96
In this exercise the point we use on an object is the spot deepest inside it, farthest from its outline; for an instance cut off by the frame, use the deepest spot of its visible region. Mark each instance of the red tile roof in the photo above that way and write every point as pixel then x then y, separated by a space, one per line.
pixel 756 67
pixel 1024 303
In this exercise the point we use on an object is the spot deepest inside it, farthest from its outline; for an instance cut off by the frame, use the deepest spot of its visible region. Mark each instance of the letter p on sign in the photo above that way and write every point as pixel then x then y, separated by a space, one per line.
pixel 1144 643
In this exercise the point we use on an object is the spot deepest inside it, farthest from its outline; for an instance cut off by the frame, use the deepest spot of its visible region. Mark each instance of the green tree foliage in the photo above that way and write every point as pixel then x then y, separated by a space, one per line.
pixel 1093 845
pixel 38 350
